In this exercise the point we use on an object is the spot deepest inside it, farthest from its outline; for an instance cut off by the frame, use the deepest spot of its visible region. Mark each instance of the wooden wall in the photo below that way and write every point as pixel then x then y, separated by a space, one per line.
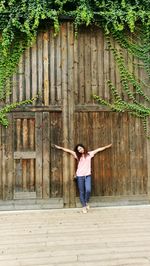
pixel 65 71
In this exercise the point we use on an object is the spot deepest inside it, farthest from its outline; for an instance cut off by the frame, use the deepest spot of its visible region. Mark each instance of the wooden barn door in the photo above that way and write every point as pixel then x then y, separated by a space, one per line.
pixel 36 168
pixel 121 172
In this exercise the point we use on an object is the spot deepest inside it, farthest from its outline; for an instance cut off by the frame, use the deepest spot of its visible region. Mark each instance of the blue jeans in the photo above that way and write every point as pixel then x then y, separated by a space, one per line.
pixel 84 186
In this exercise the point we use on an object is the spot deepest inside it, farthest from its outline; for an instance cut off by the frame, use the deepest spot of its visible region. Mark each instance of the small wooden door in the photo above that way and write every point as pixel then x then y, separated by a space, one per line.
pixel 37 170
pixel 28 152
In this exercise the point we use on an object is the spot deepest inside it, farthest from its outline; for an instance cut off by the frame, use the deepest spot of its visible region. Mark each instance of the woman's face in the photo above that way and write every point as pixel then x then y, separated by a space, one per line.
pixel 80 149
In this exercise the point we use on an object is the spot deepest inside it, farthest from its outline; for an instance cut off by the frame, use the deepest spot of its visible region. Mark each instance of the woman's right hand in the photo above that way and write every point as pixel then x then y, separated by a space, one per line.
pixel 55 146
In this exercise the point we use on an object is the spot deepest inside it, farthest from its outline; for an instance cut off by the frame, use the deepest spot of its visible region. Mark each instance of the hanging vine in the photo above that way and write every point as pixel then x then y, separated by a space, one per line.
pixel 20 20
pixel 139 108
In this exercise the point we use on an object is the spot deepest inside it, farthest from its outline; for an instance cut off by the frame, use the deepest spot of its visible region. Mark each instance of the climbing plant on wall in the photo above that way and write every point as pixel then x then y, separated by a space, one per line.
pixel 20 20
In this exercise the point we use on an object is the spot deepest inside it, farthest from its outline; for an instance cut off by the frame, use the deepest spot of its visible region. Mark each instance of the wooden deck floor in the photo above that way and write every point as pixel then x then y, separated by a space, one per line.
pixel 109 236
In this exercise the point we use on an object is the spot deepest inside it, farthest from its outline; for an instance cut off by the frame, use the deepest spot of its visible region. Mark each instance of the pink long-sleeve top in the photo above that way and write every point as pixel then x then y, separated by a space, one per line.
pixel 84 165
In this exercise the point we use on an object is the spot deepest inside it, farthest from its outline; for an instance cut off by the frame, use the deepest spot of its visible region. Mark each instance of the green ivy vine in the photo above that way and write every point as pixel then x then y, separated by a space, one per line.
pixel 9 107
pixel 139 108
pixel 20 20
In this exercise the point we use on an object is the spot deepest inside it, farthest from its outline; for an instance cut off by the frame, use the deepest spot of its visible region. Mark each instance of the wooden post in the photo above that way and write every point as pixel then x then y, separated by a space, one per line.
pixel 65 120
pixel 68 111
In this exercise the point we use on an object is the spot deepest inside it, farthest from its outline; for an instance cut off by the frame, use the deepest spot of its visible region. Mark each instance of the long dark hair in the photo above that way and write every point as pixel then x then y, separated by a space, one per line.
pixel 79 155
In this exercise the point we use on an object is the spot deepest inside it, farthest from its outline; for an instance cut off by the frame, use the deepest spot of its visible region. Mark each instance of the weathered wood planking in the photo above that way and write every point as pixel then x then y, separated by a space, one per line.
pixel 119 170
pixel 40 70
pixel 65 71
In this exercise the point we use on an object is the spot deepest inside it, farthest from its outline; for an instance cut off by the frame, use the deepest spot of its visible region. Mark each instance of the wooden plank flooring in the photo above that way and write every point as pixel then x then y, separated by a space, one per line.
pixel 107 236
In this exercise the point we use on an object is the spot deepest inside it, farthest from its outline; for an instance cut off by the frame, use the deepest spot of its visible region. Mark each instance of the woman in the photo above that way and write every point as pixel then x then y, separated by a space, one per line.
pixel 83 172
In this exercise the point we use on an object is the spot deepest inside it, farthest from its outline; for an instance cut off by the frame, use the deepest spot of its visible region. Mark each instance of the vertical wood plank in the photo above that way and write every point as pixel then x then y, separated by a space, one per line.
pixel 81 89
pixel 9 159
pixel 56 162
pixel 111 189
pixel 24 162
pixel 112 67
pixel 32 148
pixel 126 145
pixel 88 67
pixel 120 152
pixel 21 78
pixel 132 145
pixel 18 142
pixel 106 70
pixel 18 135
pixel 52 66
pixel 76 71
pixel 8 88
pixel 14 88
pixel 100 63
pixel 27 74
pixel 46 68
pixel 93 64
pixel 117 77
pixel 40 67
pixel 96 167
pixel 124 154
pixel 115 141
pixel 34 71
pixel 148 164
pixel 139 149
pixel 58 68
pixel 107 155
pixel 144 156
pixel 46 155
pixel 38 146
pixel 18 175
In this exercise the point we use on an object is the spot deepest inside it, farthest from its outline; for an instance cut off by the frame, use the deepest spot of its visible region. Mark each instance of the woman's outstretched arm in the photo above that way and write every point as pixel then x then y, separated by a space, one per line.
pixel 101 149
pixel 66 150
